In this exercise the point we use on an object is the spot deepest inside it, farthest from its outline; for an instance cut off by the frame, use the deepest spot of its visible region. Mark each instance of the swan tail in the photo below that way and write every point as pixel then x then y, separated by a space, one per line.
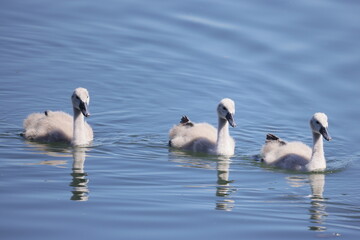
pixel 186 121
pixel 271 137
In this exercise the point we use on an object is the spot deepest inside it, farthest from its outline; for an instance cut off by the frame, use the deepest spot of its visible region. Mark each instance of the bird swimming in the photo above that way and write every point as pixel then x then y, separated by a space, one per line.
pixel 58 126
pixel 297 155
pixel 203 137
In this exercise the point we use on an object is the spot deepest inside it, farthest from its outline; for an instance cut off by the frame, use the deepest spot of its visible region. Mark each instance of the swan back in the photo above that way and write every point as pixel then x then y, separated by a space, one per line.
pixel 197 137
pixel 44 127
pixel 292 155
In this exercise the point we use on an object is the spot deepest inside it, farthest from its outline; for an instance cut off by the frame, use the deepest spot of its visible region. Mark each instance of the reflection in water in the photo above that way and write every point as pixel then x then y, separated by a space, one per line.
pixel 223 187
pixel 79 181
pixel 55 163
pixel 52 150
pixel 317 208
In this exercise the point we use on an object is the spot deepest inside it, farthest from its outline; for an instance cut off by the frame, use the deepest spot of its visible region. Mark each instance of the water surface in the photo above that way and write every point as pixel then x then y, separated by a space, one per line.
pixel 145 65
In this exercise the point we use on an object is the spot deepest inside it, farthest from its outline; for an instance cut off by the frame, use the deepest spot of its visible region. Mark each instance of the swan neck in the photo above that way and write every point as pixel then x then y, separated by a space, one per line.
pixel 223 143
pixel 318 161
pixel 318 144
pixel 223 129
pixel 79 128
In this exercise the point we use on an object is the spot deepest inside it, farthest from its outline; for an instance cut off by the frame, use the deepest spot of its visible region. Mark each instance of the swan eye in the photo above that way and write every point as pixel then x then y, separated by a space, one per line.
pixel 225 108
pixel 317 122
pixel 77 98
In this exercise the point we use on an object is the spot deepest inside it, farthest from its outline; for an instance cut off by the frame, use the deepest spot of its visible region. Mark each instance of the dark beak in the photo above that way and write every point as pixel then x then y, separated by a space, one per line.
pixel 325 133
pixel 230 119
pixel 84 109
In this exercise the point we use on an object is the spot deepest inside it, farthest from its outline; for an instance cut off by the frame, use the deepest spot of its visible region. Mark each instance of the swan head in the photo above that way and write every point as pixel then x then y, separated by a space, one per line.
pixel 80 100
pixel 319 124
pixel 226 111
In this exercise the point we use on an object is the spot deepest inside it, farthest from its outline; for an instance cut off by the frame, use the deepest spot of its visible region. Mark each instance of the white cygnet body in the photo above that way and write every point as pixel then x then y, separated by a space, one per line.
pixel 203 137
pixel 59 126
pixel 297 155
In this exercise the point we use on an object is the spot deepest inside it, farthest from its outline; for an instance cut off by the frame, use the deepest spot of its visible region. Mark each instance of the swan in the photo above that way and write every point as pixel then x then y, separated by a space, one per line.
pixel 57 126
pixel 203 137
pixel 297 155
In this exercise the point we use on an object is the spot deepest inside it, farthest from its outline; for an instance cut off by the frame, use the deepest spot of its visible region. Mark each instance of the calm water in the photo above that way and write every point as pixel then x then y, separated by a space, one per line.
pixel 145 64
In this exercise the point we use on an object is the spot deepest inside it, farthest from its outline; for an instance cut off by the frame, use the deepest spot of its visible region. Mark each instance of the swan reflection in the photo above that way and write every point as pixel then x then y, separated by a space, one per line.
pixel 80 191
pixel 79 181
pixel 53 151
pixel 317 208
pixel 224 190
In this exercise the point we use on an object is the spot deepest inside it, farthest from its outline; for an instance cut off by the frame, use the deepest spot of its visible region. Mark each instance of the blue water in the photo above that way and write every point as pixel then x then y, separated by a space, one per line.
pixel 147 63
